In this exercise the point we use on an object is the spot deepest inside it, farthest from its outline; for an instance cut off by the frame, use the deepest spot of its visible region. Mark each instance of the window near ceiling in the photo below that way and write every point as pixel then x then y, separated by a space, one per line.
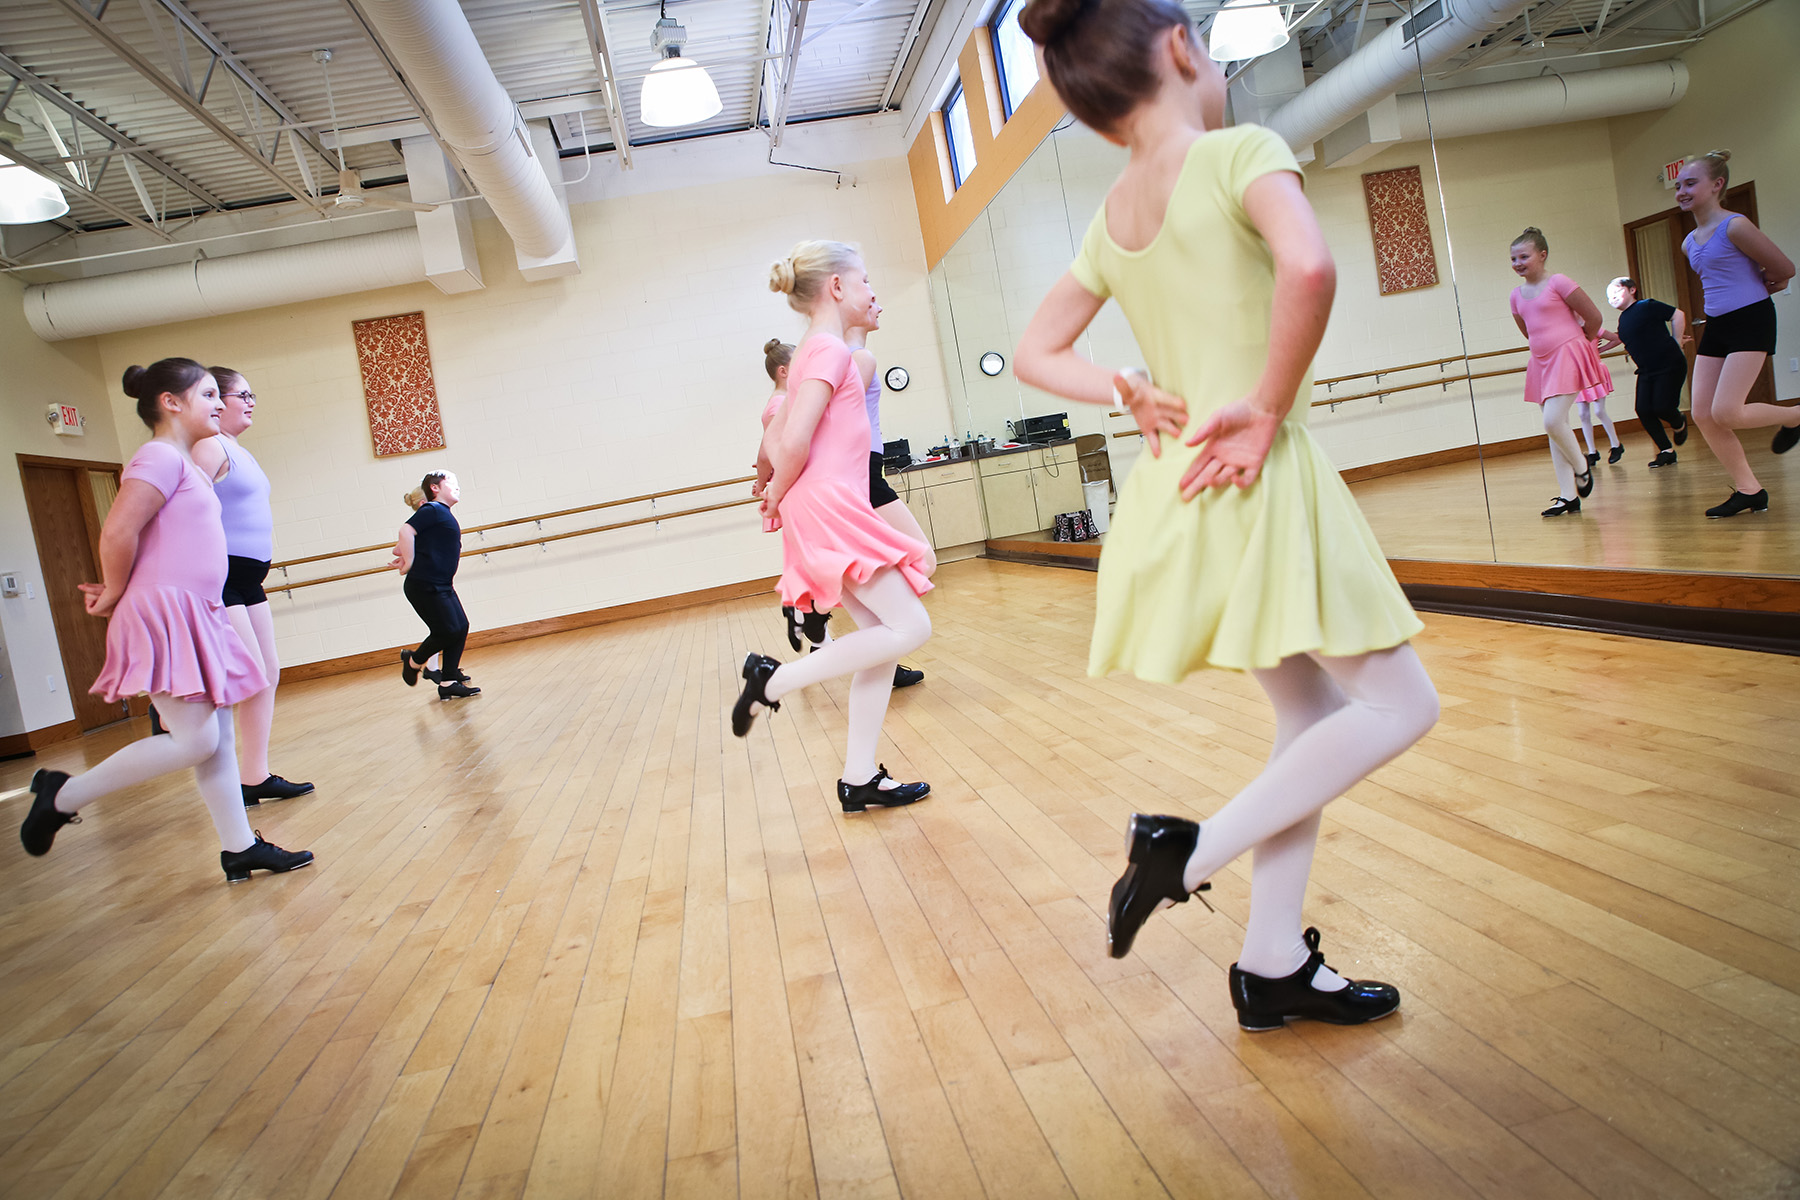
pixel 959 135
pixel 1014 55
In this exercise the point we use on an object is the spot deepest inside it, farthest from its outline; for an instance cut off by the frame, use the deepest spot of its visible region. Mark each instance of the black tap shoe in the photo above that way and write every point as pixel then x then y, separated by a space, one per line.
pixel 261 856
pixel 757 669
pixel 856 797
pixel 1584 489
pixel 812 624
pixel 1562 506
pixel 1740 502
pixel 1614 455
pixel 792 616
pixel 456 689
pixel 39 828
pixel 1264 1004
pixel 907 676
pixel 1158 849
pixel 408 672
pixel 273 788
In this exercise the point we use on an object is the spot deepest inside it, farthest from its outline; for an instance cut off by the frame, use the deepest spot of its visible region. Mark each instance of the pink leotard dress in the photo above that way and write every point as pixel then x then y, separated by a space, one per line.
pixel 1563 361
pixel 169 632
pixel 829 530
pixel 770 524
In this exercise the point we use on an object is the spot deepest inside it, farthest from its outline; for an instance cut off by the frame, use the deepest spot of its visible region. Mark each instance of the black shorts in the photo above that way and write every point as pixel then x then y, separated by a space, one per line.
pixel 244 581
pixel 1751 327
pixel 879 491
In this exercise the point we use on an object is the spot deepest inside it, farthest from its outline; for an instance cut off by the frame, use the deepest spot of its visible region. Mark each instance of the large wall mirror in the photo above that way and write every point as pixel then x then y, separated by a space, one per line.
pixel 1561 118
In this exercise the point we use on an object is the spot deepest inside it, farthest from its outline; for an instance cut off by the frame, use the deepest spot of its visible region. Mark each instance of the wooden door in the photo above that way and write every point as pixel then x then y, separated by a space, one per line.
pixel 1654 261
pixel 65 522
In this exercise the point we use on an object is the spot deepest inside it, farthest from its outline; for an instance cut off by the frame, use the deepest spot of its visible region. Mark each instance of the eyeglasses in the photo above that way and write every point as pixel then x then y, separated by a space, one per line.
pixel 250 396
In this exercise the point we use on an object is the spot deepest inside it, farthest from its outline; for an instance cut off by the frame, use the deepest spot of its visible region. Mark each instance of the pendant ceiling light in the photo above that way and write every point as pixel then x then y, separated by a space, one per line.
pixel 25 196
pixel 678 91
pixel 1246 29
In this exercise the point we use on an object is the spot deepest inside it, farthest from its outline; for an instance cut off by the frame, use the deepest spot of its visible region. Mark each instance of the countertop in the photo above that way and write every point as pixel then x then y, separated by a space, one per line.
pixel 945 462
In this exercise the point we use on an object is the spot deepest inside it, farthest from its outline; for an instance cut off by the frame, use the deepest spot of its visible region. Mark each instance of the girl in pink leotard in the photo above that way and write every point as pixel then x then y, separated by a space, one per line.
pixel 162 559
pixel 834 546
pixel 1560 323
pixel 809 626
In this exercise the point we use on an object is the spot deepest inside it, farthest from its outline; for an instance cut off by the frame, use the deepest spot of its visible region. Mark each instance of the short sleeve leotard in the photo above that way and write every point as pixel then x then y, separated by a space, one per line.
pixel 1563 361
pixel 1240 577
pixel 244 501
pixel 168 632
pixel 829 530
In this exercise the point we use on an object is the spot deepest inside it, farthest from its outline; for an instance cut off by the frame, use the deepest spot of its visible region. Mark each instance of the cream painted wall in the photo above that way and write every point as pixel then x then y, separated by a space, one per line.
pixel 1743 96
pixel 640 374
pixel 38 374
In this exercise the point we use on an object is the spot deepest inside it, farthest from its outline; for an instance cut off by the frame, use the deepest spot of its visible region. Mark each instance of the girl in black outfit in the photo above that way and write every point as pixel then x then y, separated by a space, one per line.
pixel 1661 364
pixel 427 553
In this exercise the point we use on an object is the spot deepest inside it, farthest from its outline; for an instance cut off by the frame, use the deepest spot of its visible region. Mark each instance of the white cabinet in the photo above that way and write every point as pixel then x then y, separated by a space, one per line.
pixel 944 500
pixel 1023 492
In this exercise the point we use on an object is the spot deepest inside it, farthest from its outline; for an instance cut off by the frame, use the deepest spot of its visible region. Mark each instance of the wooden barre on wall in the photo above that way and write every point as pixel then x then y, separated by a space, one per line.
pixel 535 541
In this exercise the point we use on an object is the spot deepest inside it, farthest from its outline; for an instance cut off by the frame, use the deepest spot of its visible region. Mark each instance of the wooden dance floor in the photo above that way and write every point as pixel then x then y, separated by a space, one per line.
pixel 1636 518
pixel 573 939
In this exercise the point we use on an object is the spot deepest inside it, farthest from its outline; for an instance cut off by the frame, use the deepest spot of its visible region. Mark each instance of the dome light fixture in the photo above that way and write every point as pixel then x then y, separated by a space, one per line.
pixel 1246 29
pixel 25 196
pixel 678 91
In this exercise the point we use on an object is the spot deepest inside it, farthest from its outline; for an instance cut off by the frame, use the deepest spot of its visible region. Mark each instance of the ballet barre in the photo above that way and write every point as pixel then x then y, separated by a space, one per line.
pixel 542 539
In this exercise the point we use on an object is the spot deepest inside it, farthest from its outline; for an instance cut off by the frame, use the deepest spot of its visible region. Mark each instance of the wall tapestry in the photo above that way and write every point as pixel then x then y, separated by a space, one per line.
pixel 1404 259
pixel 397 384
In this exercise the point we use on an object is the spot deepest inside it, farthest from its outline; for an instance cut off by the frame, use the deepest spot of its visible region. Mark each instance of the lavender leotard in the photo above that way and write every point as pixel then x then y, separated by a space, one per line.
pixel 872 402
pixel 244 498
pixel 1731 278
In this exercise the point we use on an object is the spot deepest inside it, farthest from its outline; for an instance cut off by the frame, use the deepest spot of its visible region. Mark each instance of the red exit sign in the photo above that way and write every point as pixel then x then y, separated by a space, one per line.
pixel 1672 171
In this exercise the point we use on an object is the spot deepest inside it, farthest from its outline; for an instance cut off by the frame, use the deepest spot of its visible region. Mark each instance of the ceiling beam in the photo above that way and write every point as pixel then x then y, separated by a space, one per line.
pixel 203 35
pixel 62 180
pixel 795 30
pixel 599 40
pixel 906 45
pixel 47 91
pixel 1522 23
pixel 168 87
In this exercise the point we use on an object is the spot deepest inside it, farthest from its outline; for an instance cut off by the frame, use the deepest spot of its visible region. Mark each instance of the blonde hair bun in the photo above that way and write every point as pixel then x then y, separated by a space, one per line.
pixel 414 499
pixel 781 276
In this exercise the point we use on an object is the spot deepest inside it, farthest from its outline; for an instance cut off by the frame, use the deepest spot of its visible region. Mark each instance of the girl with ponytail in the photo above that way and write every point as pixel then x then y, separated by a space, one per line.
pixel 163 567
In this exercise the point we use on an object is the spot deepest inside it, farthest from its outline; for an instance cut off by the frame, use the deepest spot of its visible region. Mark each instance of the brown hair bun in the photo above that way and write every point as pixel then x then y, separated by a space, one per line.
pixel 1044 21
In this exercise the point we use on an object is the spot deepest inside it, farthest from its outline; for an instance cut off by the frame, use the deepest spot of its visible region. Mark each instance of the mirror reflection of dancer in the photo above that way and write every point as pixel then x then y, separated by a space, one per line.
pixel 427 553
pixel 1560 325
pixel 1739 272
pixel 888 505
pixel 834 548
pixel 243 492
pixel 162 563
pixel 1250 553
pixel 1661 364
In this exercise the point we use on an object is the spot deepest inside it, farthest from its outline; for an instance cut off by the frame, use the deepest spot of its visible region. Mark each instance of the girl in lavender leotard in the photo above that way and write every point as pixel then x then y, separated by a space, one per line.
pixel 162 562
pixel 243 492
pixel 888 505
pixel 1739 268
pixel 833 545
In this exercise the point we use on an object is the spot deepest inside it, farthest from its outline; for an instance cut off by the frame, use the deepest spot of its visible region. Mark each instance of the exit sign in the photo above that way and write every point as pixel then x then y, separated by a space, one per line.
pixel 65 419
pixel 1672 172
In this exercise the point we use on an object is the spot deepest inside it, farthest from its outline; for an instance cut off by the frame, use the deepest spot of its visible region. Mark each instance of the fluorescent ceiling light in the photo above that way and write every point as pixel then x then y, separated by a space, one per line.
pixel 27 197
pixel 678 91
pixel 1246 29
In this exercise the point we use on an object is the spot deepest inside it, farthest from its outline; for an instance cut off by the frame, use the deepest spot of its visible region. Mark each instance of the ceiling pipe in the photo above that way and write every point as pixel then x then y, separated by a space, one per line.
pixel 1543 100
pixel 1388 61
pixel 437 51
pixel 210 287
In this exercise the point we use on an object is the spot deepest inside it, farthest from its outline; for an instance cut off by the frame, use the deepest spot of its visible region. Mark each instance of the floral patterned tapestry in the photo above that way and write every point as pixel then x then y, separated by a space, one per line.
pixel 1404 259
pixel 397 384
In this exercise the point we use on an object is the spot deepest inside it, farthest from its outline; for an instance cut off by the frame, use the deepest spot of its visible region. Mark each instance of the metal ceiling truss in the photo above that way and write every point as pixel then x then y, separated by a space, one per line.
pixel 793 34
pixel 599 40
pixel 179 86
pixel 1506 38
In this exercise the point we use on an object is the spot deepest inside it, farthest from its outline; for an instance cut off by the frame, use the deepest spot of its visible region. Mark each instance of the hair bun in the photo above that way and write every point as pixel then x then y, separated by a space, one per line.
pixel 781 276
pixel 1721 155
pixel 772 345
pixel 1534 229
pixel 134 375
pixel 1044 21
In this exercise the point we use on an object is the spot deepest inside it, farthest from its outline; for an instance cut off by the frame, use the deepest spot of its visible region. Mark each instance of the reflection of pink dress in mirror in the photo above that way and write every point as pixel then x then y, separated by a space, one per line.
pixel 1563 361
pixel 772 524
pixel 829 530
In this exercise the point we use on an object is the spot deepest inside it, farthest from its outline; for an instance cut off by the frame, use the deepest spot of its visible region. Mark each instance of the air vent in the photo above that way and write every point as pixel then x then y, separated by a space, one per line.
pixel 1425 20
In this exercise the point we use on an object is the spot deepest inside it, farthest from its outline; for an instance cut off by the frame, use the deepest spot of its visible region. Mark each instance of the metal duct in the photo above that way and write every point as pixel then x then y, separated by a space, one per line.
pixel 213 286
pixel 1544 100
pixel 1386 62
pixel 445 65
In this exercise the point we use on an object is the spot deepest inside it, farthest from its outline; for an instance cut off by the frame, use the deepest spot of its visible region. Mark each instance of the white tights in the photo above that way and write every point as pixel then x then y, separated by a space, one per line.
pixel 1565 452
pixel 1336 720
pixel 1589 410
pixel 891 622
pixel 200 736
